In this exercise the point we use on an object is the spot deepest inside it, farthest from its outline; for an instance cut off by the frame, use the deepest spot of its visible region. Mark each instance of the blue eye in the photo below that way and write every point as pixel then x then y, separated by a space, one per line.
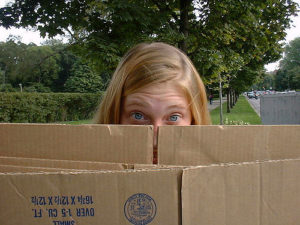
pixel 137 116
pixel 174 118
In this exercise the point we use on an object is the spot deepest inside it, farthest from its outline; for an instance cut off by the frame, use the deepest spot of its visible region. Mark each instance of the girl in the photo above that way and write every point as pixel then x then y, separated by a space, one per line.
pixel 154 84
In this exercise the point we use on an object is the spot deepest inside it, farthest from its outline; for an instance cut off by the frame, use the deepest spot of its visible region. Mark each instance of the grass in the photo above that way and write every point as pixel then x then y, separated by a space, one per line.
pixel 242 111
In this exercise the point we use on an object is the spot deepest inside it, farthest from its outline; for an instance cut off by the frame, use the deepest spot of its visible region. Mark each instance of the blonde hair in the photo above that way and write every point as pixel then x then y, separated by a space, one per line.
pixel 153 63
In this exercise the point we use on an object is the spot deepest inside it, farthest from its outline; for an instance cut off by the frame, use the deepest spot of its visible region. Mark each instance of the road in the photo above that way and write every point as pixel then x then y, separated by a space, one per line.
pixel 255 103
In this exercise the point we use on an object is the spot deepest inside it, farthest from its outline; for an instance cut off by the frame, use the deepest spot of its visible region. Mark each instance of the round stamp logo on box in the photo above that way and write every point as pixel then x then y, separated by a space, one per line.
pixel 140 209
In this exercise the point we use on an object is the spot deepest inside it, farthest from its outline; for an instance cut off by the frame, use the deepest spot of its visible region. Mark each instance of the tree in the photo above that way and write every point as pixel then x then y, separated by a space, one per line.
pixel 11 56
pixel 65 60
pixel 43 68
pixel 221 37
pixel 27 64
pixel 267 82
pixel 288 75
pixel 227 40
pixel 83 80
pixel 281 81
pixel 40 65
pixel 2 77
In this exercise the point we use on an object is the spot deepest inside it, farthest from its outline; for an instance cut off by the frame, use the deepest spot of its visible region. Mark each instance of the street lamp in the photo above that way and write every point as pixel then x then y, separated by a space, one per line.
pixel 21 87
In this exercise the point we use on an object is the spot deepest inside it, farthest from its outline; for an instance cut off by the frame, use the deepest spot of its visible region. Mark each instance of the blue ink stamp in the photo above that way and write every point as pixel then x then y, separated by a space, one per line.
pixel 140 209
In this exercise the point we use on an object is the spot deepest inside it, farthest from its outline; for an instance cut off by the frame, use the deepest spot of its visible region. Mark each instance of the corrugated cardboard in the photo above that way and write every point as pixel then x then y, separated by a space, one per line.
pixel 247 193
pixel 62 164
pixel 204 145
pixel 242 194
pixel 174 192
pixel 131 144
pixel 25 169
pixel 91 198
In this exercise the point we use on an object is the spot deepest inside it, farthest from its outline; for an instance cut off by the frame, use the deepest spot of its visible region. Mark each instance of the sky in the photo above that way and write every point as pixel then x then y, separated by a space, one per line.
pixel 32 36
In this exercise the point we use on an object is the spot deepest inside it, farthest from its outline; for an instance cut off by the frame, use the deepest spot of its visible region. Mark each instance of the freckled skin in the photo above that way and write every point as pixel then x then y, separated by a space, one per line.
pixel 157 105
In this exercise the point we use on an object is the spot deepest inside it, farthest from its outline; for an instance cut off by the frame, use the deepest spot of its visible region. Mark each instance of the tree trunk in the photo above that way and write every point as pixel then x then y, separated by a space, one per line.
pixel 184 22
pixel 228 100
pixel 233 98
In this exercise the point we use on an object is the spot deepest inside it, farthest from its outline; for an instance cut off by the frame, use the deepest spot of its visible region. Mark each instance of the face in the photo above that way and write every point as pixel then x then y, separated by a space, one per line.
pixel 157 105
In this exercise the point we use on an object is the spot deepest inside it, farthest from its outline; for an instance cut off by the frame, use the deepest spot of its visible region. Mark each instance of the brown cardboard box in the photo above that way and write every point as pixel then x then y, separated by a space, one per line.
pixel 247 193
pixel 26 169
pixel 18 162
pixel 91 198
pixel 234 190
pixel 84 142
pixel 204 145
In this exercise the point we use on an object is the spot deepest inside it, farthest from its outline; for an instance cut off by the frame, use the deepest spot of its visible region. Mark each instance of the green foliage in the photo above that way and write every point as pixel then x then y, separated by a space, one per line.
pixel 266 83
pixel 288 76
pixel 281 81
pixel 11 55
pixel 245 79
pixel 40 65
pixel 7 88
pixel 37 87
pixel 229 38
pixel 83 80
pixel 28 63
pixel 46 68
pixel 66 61
pixel 50 107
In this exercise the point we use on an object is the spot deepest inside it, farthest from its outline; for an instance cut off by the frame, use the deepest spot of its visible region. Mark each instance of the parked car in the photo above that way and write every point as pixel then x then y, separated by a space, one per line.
pixel 252 95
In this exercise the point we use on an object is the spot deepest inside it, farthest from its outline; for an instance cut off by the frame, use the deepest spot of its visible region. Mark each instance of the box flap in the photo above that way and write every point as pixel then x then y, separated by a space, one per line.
pixel 63 164
pixel 249 194
pixel 28 169
pixel 106 143
pixel 136 197
pixel 203 145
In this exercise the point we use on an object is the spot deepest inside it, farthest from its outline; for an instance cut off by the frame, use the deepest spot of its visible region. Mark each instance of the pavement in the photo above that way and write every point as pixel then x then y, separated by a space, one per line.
pixel 215 103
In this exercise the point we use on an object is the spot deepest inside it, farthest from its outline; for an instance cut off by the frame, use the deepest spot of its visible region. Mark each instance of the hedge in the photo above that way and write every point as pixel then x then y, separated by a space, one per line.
pixel 22 107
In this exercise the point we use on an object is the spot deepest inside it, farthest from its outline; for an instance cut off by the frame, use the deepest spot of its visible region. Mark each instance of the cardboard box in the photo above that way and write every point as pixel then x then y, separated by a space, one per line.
pixel 79 143
pixel 235 175
pixel 141 197
pixel 59 164
pixel 247 193
pixel 25 169
pixel 204 145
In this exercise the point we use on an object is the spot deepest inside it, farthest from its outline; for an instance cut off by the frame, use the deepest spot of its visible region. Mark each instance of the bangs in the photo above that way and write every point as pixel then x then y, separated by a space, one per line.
pixel 150 74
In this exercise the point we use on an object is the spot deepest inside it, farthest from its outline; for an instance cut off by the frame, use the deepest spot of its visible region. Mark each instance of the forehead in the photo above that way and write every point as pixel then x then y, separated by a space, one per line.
pixel 163 92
